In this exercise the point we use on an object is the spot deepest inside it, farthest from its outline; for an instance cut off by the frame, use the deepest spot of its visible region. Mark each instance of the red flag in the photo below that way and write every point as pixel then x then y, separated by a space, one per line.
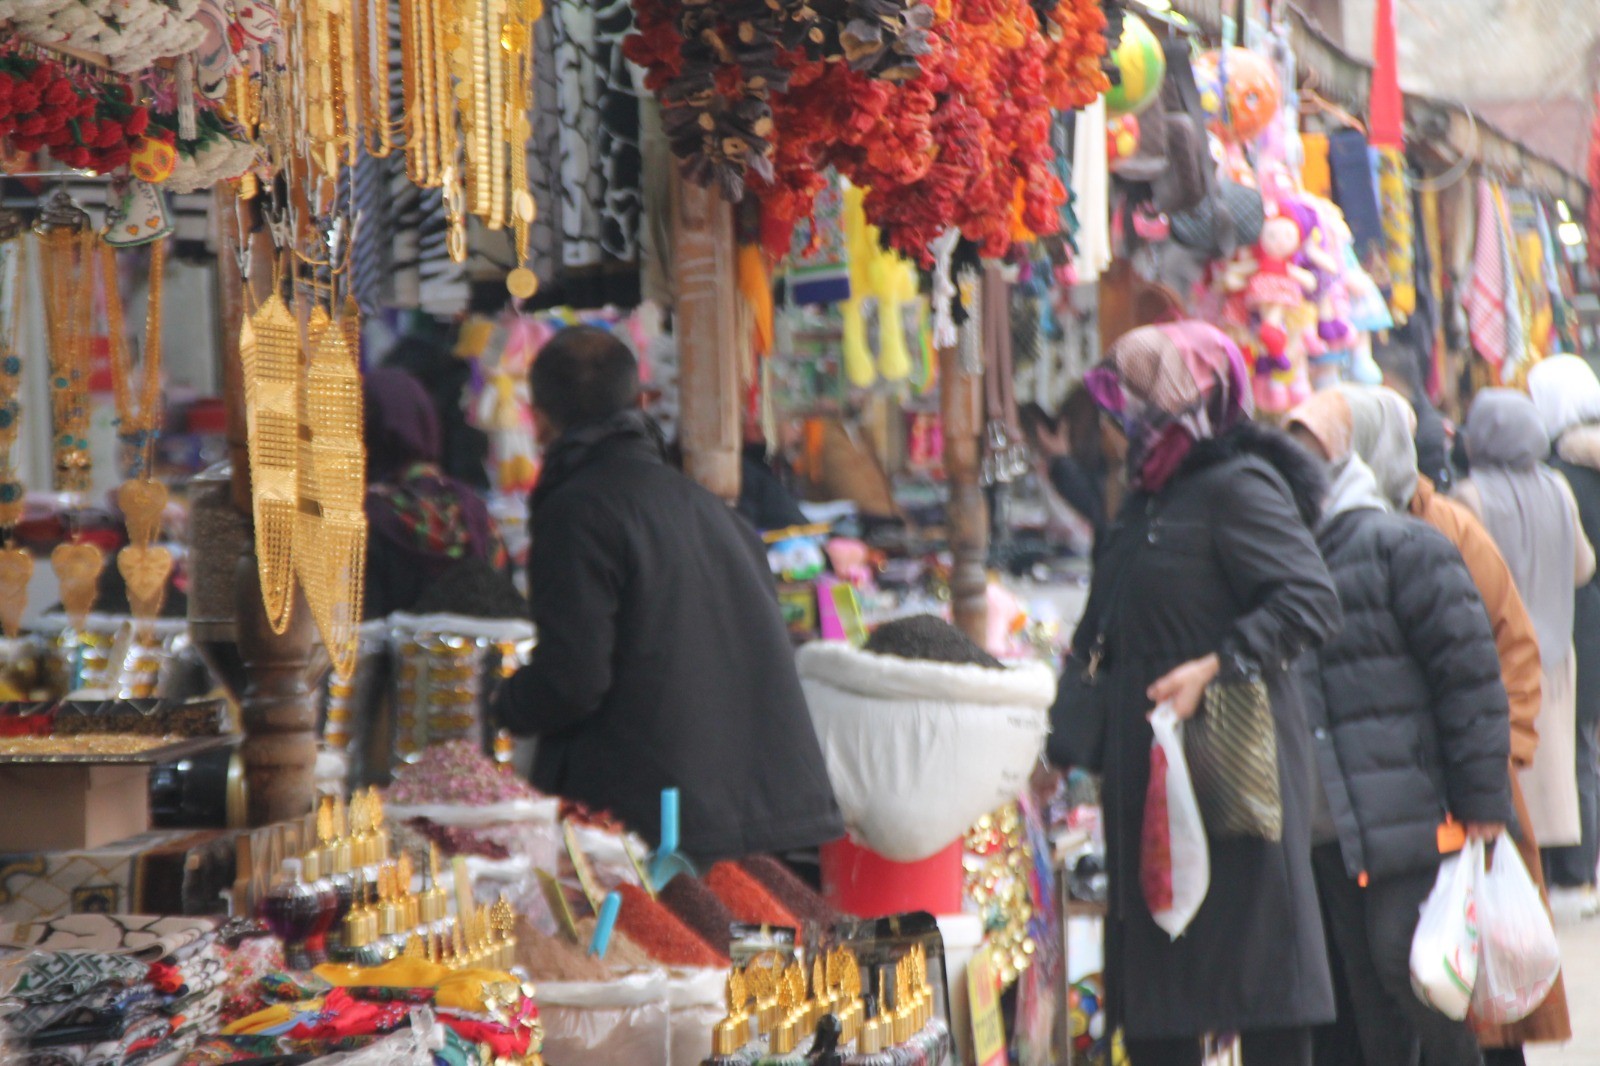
pixel 1388 106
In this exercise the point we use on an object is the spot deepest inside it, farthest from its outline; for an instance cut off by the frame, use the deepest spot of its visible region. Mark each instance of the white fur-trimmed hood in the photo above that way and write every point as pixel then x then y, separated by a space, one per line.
pixel 888 677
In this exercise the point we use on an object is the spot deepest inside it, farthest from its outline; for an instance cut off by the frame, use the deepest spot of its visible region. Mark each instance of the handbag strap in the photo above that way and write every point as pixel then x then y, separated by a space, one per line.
pixel 1109 608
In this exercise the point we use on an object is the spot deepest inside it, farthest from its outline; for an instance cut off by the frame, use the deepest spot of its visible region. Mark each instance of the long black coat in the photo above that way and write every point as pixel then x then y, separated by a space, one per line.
pixel 1221 560
pixel 663 660
pixel 1585 482
pixel 1408 713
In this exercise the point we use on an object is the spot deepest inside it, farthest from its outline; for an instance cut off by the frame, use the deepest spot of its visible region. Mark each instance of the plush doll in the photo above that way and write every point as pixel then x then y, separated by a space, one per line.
pixel 876 274
pixel 1274 287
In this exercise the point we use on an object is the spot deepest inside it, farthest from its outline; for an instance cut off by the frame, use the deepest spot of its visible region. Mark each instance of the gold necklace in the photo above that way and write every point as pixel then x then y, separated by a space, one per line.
pixel 138 426
pixel 69 297
pixel 16 564
pixel 332 562
pixel 269 350
pixel 516 38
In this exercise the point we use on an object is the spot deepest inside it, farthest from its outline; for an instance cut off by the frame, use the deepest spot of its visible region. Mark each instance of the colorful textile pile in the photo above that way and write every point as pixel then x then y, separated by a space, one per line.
pixel 345 1007
pixel 113 989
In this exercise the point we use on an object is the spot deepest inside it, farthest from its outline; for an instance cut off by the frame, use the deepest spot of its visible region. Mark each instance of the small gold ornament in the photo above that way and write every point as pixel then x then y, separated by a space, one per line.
pixel 522 283
pixel 16 570
pixel 77 566
pixel 142 504
pixel 145 570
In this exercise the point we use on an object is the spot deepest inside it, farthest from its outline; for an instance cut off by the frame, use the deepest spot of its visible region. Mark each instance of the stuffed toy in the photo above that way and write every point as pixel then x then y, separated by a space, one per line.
pixel 885 277
pixel 1274 287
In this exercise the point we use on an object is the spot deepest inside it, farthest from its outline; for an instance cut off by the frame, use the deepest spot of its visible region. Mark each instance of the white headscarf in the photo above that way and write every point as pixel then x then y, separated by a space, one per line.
pixel 1566 393
pixel 1384 427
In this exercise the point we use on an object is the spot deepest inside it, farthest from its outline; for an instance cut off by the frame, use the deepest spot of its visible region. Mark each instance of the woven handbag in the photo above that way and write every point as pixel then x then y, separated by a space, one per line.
pixel 1232 751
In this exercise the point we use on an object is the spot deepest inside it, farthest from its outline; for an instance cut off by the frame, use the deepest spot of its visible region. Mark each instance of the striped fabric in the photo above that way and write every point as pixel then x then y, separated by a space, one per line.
pixel 1493 314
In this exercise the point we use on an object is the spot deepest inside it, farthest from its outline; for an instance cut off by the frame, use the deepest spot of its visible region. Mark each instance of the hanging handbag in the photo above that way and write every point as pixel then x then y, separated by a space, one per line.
pixel 1079 715
pixel 1232 750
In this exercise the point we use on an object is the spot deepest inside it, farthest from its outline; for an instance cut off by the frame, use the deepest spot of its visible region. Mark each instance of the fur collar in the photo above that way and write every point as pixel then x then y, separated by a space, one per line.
pixel 1307 480
pixel 1580 446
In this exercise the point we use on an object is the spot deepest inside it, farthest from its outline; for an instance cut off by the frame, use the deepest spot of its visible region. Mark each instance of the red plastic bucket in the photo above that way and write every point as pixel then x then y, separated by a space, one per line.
pixel 859 881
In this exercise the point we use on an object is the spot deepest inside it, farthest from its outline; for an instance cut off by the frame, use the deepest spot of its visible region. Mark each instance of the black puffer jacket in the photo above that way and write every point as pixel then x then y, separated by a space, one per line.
pixel 1408 715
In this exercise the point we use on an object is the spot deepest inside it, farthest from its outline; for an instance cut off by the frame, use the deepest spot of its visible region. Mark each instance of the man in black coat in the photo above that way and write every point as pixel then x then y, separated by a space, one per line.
pixel 1411 727
pixel 662 659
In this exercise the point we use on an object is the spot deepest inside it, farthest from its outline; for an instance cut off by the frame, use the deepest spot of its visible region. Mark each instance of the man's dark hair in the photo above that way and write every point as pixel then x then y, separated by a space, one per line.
pixel 1402 362
pixel 584 374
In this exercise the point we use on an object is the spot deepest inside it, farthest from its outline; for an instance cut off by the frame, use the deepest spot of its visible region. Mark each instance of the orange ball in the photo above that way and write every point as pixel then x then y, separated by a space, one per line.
pixel 1255 94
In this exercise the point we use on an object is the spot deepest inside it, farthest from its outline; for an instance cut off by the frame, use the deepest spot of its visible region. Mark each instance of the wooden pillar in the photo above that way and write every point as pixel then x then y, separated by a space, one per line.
pixel 275 700
pixel 961 399
pixel 710 342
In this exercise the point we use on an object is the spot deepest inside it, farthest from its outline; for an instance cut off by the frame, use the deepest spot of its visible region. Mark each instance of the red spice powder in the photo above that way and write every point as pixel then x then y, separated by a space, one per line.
pixel 803 901
pixel 748 898
pixel 661 933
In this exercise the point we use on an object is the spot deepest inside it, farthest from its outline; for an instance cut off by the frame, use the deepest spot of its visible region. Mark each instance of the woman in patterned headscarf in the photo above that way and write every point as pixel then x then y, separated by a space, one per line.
pixel 1208 571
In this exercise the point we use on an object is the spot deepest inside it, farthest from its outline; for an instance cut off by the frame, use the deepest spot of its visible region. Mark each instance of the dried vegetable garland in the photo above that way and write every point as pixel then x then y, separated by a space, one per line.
pixel 942 113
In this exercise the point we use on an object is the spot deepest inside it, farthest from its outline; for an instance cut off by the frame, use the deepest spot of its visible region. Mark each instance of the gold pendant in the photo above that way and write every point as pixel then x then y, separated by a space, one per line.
pixel 77 567
pixel 16 570
pixel 142 503
pixel 522 283
pixel 145 570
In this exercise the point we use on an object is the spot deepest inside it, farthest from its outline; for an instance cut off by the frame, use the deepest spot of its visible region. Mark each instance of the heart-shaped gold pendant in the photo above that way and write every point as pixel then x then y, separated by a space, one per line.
pixel 77 567
pixel 16 570
pixel 142 503
pixel 145 570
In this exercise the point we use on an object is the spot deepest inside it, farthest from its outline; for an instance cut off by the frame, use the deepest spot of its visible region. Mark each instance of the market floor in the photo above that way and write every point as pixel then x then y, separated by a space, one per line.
pixel 1580 955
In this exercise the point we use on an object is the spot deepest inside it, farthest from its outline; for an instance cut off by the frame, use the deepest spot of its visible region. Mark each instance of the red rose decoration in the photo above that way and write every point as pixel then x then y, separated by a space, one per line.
pixel 60 92
pixel 23 142
pixel 138 122
pixel 75 157
pixel 111 135
pixel 25 98
pixel 32 126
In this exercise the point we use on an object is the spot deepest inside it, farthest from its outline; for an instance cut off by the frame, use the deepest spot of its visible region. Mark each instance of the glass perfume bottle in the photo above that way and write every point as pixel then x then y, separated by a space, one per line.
pixel 293 909
pixel 336 868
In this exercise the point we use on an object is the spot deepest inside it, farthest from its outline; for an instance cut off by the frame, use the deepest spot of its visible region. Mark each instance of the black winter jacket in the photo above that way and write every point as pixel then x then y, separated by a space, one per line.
pixel 663 659
pixel 1408 714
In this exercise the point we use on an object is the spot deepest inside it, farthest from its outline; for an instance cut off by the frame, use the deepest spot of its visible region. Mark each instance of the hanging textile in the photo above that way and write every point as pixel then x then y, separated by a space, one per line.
pixel 1091 192
pixel 1315 176
pixel 1433 248
pixel 1399 232
pixel 1492 303
pixel 1356 193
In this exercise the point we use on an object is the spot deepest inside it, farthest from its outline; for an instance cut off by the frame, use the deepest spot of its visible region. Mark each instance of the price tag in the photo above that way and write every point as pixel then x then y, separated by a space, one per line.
pixel 983 995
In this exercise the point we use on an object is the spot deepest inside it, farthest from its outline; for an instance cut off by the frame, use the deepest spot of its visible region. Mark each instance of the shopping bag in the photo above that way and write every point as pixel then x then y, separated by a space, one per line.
pixel 1174 860
pixel 1444 949
pixel 1519 956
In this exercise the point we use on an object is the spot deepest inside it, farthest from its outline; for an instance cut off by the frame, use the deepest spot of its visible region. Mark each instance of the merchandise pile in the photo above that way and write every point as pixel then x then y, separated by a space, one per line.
pixel 92 989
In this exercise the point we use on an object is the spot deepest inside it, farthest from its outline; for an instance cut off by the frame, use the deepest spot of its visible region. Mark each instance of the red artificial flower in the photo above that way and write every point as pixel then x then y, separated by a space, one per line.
pixel 24 142
pixel 32 126
pixel 111 134
pixel 41 76
pixel 25 98
pixel 74 157
pixel 60 92
pixel 88 131
pixel 137 122
pixel 7 125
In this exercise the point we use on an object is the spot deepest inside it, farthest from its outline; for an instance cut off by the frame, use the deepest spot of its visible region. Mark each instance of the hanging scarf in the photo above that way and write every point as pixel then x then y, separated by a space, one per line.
pixel 1171 385
pixel 1493 308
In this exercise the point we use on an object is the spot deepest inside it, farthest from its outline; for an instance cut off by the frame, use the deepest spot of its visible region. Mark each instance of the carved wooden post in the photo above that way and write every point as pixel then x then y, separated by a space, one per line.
pixel 275 701
pixel 710 343
pixel 961 399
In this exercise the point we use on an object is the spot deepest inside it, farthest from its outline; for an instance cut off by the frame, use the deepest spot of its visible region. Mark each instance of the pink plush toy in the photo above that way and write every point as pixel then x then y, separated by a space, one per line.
pixel 1274 286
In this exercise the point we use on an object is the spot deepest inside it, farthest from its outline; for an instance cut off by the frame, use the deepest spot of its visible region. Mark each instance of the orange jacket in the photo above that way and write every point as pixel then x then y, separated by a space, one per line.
pixel 1514 637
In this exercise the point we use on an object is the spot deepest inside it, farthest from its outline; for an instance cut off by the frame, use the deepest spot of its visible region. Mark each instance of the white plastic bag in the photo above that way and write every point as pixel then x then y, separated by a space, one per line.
pixel 1519 956
pixel 698 1000
pixel 1174 859
pixel 1444 949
